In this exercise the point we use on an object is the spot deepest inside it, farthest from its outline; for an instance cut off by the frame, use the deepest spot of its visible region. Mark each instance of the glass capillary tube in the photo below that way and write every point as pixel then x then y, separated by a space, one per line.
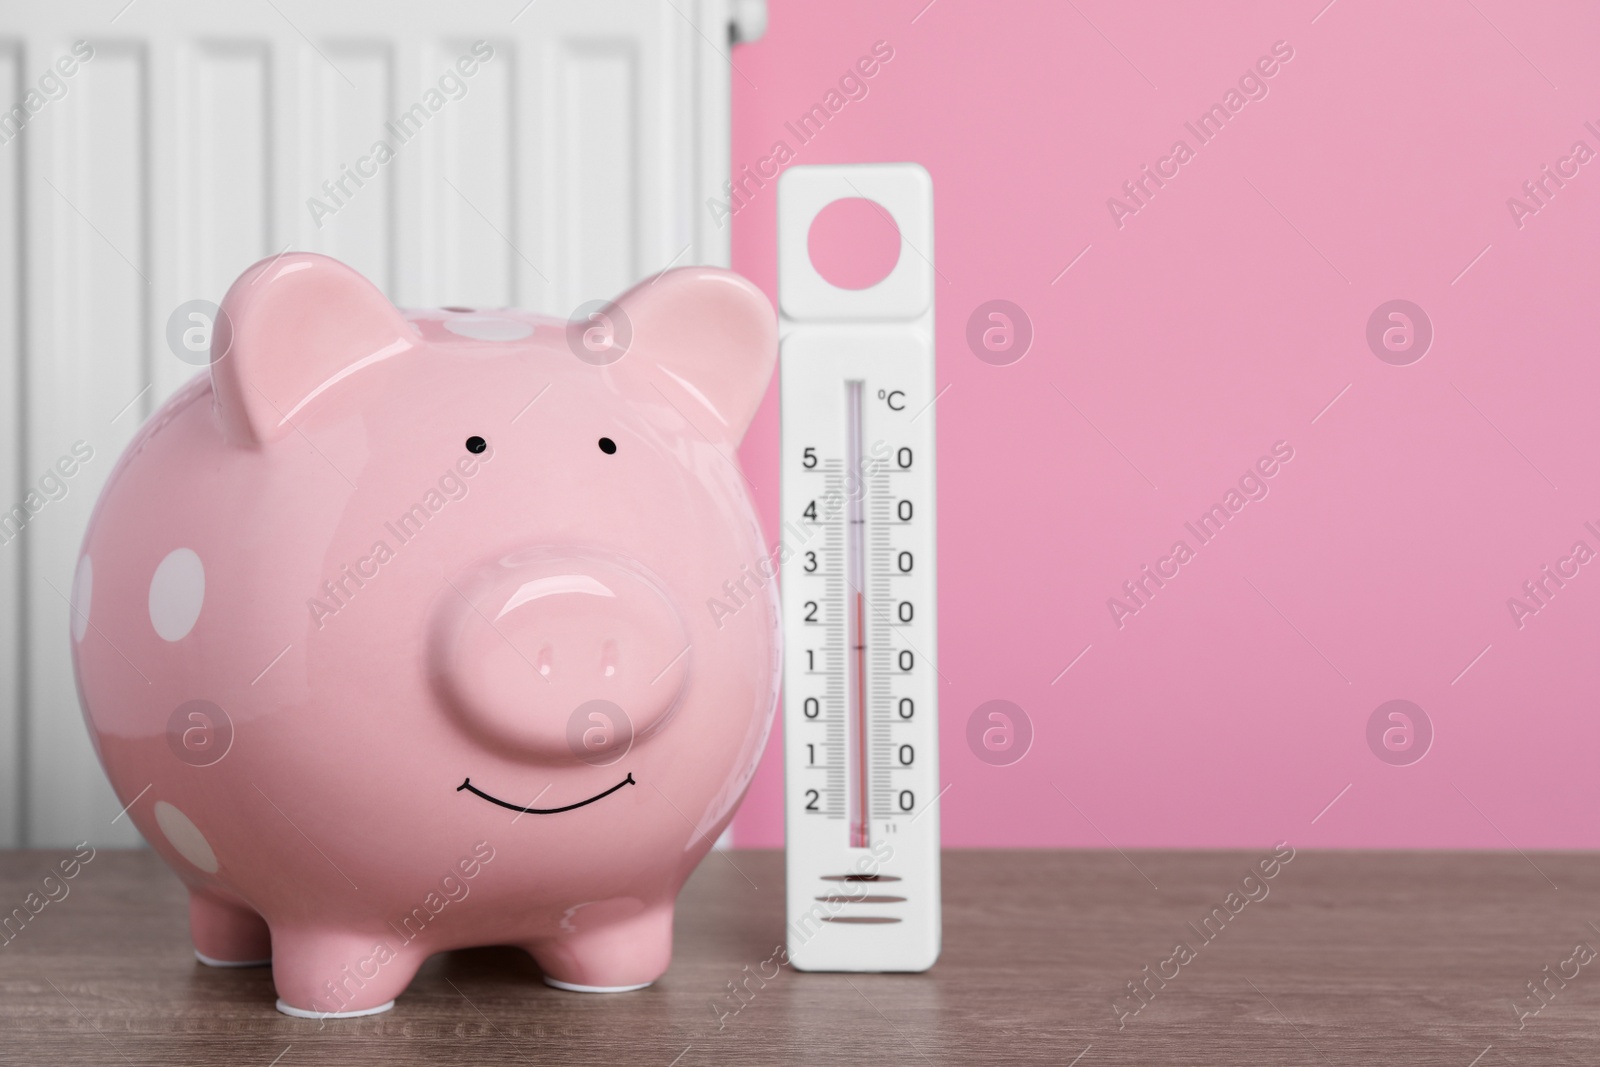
pixel 855 611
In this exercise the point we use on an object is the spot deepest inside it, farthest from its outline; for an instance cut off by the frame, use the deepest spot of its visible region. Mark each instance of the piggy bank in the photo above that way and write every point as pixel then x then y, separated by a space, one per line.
pixel 401 632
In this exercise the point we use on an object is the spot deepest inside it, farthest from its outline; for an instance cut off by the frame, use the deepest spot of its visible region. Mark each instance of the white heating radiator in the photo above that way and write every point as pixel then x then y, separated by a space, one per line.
pixel 192 137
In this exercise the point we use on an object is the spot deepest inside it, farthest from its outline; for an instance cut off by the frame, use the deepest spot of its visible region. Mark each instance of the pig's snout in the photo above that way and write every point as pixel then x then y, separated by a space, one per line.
pixel 559 657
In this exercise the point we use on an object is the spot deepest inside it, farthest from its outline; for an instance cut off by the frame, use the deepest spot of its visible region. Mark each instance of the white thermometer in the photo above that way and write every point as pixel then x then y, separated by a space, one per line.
pixel 861 705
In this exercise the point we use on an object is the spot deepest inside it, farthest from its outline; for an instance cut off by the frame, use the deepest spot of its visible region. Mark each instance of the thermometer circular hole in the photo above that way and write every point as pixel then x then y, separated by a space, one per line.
pixel 854 243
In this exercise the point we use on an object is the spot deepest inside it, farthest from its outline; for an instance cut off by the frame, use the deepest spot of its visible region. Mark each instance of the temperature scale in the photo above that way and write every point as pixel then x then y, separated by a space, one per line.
pixel 861 707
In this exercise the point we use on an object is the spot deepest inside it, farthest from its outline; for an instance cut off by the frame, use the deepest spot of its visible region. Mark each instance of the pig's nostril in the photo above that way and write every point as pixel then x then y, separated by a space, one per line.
pixel 608 658
pixel 546 660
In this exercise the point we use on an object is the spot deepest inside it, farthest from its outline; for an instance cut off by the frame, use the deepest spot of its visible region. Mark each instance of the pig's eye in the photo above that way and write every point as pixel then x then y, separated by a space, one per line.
pixel 476 445
pixel 608 446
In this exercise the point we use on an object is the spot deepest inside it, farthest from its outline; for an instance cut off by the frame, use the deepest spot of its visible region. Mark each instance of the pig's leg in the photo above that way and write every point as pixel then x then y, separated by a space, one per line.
pixel 618 956
pixel 227 934
pixel 324 973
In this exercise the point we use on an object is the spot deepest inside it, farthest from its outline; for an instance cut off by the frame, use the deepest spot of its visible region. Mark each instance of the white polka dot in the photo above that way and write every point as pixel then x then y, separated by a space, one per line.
pixel 82 597
pixel 186 837
pixel 488 328
pixel 177 590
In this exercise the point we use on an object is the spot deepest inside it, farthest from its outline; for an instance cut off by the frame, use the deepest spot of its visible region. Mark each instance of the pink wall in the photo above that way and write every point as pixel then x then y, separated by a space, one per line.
pixel 1222 317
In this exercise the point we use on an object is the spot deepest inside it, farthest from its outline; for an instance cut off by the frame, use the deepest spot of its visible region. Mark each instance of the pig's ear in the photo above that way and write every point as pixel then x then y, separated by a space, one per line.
pixel 290 328
pixel 708 340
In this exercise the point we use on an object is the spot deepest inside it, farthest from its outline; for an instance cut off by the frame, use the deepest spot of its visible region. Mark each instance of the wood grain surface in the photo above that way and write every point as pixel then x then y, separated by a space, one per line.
pixel 1350 958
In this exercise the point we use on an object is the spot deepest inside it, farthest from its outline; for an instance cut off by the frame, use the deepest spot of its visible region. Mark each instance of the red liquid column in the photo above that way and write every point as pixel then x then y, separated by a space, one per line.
pixel 855 549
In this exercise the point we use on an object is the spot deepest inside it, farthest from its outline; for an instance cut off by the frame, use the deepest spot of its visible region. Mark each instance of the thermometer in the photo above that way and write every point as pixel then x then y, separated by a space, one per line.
pixel 861 708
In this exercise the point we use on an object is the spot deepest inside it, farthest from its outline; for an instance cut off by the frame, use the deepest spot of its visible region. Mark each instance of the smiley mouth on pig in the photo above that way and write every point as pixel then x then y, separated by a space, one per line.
pixel 469 787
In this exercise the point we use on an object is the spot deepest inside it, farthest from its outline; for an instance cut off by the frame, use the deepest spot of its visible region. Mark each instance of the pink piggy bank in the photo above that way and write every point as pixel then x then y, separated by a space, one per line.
pixel 404 632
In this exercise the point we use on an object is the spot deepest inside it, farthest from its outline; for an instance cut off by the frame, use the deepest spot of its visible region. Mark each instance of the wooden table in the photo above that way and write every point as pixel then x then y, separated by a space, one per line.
pixel 1351 958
